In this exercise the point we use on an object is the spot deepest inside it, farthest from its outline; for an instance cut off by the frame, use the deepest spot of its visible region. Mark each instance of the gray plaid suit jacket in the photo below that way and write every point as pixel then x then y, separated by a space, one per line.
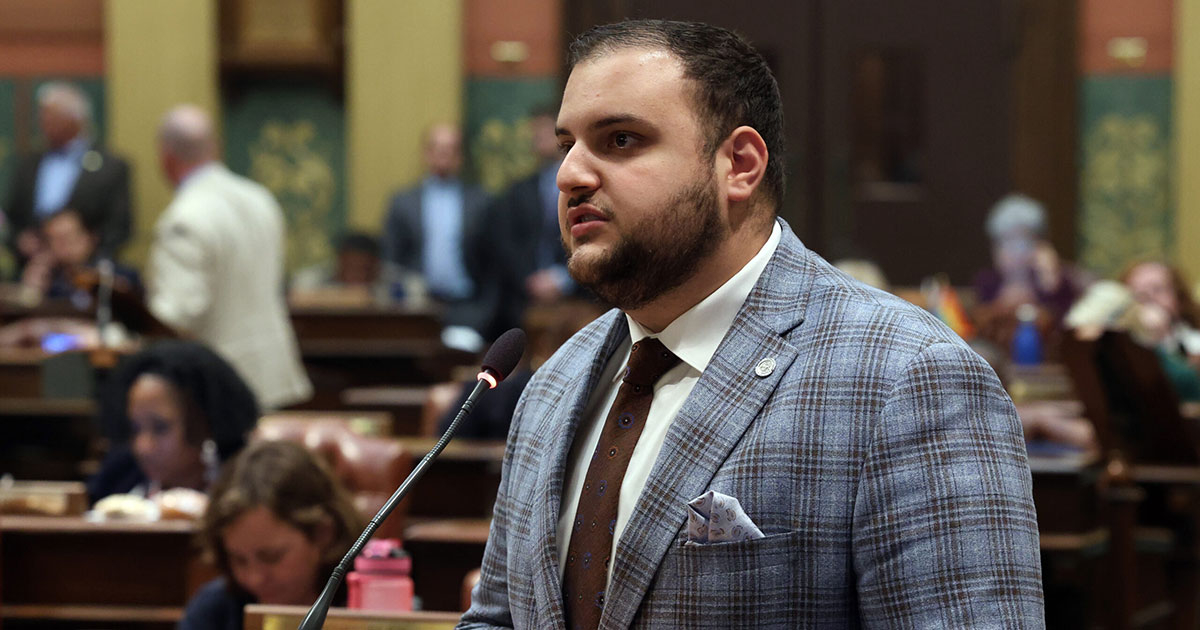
pixel 881 458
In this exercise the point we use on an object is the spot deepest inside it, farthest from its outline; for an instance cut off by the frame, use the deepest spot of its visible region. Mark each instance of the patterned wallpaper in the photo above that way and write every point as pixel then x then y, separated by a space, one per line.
pixel 1126 210
pixel 497 127
pixel 292 140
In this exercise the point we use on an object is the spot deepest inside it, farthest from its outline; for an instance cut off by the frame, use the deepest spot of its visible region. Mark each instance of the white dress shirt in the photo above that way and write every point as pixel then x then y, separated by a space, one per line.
pixel 693 337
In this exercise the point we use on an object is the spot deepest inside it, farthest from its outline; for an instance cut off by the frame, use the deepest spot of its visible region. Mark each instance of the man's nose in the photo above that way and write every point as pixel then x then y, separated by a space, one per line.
pixel 577 174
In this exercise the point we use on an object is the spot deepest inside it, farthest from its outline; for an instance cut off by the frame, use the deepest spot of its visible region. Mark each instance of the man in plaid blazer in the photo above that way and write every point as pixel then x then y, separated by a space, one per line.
pixel 874 464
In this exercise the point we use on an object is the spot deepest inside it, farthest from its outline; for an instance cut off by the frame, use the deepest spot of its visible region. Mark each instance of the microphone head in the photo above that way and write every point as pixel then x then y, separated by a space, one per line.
pixel 505 353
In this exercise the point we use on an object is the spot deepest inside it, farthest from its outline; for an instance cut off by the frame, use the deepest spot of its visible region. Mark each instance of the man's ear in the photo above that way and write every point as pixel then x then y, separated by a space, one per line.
pixel 748 162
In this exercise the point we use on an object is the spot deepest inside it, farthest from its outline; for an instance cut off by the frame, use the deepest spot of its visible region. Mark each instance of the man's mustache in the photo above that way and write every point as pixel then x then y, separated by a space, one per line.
pixel 575 201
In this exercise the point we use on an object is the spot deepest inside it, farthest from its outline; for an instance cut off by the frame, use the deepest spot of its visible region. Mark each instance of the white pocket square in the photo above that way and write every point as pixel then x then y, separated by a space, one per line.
pixel 714 518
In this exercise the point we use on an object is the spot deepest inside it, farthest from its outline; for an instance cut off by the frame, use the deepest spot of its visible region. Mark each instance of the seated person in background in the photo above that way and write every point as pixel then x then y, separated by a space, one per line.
pixel 72 171
pixel 60 268
pixel 358 266
pixel 1157 284
pixel 1026 270
pixel 277 524
pixel 172 413
pixel 1110 305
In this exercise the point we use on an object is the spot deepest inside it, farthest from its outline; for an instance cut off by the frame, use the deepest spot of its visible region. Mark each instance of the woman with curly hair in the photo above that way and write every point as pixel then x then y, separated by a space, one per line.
pixel 277 523
pixel 172 413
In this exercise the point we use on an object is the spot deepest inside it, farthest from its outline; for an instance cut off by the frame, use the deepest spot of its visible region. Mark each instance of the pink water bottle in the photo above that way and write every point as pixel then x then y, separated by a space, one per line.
pixel 381 577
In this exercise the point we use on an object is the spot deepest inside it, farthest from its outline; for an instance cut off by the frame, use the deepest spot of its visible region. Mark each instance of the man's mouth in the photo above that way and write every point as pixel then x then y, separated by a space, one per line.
pixel 585 213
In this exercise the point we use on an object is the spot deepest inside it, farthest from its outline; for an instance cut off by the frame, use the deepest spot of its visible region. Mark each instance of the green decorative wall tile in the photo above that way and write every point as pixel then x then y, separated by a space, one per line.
pixel 1126 207
pixel 292 140
pixel 8 135
pixel 497 127
pixel 8 148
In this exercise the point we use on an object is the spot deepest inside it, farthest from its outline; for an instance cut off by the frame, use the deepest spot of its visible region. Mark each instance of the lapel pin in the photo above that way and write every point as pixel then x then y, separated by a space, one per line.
pixel 92 161
pixel 765 367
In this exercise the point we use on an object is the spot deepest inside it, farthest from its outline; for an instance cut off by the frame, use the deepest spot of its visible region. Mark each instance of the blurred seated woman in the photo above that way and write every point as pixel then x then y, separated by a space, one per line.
pixel 1025 270
pixel 173 412
pixel 61 268
pixel 277 524
pixel 1151 320
pixel 1157 285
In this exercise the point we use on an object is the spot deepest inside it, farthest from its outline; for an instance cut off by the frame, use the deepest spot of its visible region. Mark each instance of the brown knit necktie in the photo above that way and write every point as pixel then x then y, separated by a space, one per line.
pixel 586 573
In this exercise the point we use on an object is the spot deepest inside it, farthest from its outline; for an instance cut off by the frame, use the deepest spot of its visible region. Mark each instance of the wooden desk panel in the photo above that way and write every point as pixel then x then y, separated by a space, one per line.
pixel 98 572
pixel 21 372
pixel 261 617
pixel 443 553
pixel 462 483
pixel 372 322
pixel 405 403
pixel 371 346
pixel 46 439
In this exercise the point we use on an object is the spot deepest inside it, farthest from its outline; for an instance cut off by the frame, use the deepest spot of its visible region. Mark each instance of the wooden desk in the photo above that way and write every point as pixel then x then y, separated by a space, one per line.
pixel 21 372
pixel 443 553
pixel 1075 537
pixel 462 483
pixel 374 346
pixel 46 439
pixel 404 402
pixel 77 574
pixel 1046 381
pixel 368 322
pixel 262 617
pixel 369 423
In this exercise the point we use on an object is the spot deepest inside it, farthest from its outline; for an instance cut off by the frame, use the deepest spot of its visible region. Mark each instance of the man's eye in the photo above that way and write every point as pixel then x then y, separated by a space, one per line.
pixel 564 148
pixel 622 140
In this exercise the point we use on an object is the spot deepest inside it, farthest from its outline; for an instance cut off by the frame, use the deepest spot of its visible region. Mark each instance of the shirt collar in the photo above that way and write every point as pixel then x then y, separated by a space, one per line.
pixel 695 335
pixel 76 147
pixel 441 184
pixel 194 173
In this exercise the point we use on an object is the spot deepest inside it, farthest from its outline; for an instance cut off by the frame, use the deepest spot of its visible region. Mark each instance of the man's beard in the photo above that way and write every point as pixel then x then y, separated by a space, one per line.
pixel 660 252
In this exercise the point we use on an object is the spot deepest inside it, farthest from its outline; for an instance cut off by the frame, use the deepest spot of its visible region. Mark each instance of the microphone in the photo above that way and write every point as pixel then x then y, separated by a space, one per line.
pixel 499 361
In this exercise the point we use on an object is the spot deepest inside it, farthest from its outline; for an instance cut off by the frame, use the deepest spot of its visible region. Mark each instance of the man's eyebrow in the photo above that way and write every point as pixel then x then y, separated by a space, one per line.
pixel 608 121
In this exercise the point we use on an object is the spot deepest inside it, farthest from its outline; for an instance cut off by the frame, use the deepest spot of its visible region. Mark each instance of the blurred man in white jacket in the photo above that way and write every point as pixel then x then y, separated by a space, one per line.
pixel 216 266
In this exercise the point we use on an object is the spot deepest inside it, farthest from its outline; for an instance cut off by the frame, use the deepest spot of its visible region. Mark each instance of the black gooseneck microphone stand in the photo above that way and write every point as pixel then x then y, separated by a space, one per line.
pixel 501 358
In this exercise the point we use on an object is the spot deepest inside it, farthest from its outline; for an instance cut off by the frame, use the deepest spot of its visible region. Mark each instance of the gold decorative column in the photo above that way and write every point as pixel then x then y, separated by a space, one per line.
pixel 404 71
pixel 1187 137
pixel 158 54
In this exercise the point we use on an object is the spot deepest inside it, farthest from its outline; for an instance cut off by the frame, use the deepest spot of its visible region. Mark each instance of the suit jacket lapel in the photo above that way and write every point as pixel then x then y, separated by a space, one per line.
pixel 561 425
pixel 725 401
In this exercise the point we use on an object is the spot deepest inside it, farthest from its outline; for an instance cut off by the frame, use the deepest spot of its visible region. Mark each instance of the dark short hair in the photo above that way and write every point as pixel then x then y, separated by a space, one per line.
pixel 734 86
pixel 359 242
pixel 88 225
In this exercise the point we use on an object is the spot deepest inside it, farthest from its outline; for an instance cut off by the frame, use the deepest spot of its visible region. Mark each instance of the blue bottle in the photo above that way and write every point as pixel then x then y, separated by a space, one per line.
pixel 1027 341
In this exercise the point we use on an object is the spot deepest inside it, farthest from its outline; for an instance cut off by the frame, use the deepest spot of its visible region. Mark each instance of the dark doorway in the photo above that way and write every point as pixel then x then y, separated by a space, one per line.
pixel 900 118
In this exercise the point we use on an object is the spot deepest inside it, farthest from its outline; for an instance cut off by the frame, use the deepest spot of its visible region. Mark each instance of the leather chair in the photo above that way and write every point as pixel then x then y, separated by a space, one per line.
pixel 370 468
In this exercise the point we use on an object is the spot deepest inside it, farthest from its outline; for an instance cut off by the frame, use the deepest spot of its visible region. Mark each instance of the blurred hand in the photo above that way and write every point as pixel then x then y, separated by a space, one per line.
pixel 1046 267
pixel 543 286
pixel 1013 295
pixel 38 270
pixel 29 243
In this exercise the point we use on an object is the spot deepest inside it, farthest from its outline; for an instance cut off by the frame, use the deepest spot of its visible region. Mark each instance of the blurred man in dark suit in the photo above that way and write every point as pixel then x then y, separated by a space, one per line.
pixel 436 228
pixel 72 172
pixel 535 262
